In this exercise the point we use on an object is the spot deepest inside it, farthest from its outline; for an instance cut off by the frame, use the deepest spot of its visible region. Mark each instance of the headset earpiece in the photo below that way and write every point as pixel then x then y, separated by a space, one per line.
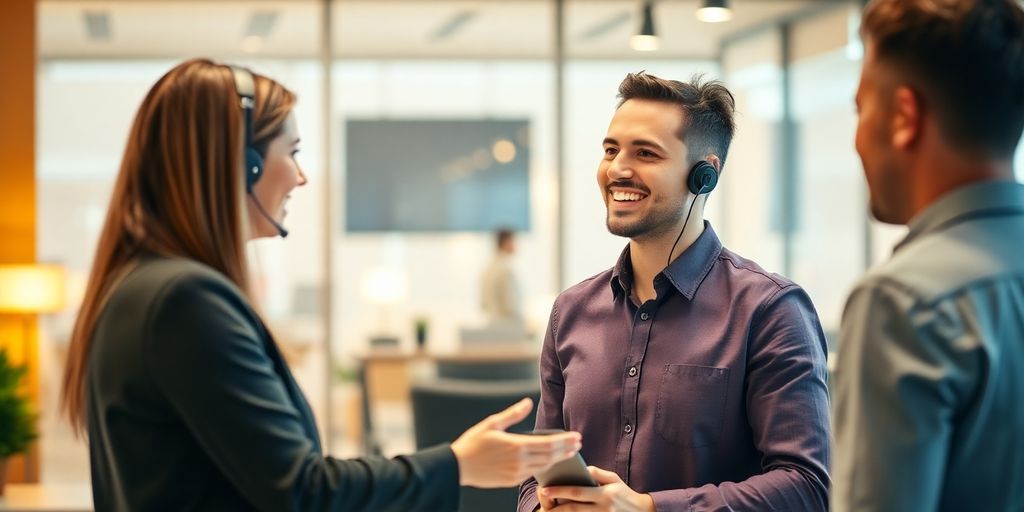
pixel 253 167
pixel 702 178
pixel 245 85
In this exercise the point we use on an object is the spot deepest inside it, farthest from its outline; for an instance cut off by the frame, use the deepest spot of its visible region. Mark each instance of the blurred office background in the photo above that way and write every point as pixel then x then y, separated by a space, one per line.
pixel 791 198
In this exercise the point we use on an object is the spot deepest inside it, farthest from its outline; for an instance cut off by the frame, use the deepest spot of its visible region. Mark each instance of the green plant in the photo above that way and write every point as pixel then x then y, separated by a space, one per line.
pixel 17 421
pixel 345 373
pixel 421 324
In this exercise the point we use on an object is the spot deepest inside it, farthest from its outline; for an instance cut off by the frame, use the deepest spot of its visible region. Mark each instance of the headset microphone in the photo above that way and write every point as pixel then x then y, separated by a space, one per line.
pixel 245 86
pixel 277 225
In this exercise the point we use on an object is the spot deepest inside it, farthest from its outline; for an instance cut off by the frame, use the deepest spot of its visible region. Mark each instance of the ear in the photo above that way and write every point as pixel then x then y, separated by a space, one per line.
pixel 713 159
pixel 907 110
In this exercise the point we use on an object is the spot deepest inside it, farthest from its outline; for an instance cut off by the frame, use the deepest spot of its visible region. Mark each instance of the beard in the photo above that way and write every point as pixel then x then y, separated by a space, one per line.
pixel 655 223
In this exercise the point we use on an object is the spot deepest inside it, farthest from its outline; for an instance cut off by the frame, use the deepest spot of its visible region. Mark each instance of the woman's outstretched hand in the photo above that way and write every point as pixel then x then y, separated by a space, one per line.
pixel 490 457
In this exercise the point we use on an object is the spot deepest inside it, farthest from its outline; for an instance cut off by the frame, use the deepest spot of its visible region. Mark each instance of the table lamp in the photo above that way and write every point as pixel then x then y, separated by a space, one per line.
pixel 384 286
pixel 31 289
pixel 27 290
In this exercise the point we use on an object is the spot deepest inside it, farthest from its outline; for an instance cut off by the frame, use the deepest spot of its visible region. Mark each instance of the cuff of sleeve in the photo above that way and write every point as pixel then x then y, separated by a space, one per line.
pixel 528 501
pixel 440 464
pixel 529 504
pixel 675 500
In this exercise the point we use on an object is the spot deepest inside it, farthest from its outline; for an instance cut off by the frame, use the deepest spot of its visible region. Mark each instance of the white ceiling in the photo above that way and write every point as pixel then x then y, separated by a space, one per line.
pixel 388 28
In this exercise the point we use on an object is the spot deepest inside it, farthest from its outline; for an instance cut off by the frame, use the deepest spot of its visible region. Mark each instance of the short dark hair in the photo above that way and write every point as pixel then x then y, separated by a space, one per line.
pixel 965 58
pixel 708 107
pixel 502 235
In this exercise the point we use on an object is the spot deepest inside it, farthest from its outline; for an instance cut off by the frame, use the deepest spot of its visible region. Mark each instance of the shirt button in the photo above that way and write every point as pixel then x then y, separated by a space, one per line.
pixel 644 316
pixel 632 371
pixel 629 428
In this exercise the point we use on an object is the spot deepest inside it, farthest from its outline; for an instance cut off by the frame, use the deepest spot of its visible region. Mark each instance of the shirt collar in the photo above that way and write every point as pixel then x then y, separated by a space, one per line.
pixel 978 199
pixel 684 274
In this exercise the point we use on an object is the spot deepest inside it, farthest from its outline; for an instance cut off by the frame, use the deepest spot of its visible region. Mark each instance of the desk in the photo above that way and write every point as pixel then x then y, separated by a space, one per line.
pixel 394 365
pixel 46 498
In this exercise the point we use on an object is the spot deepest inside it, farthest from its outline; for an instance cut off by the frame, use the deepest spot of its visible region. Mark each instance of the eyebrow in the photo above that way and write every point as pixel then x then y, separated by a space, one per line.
pixel 637 142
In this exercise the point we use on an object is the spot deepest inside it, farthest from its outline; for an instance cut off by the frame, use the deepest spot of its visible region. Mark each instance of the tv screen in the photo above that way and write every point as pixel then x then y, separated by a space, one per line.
pixel 437 175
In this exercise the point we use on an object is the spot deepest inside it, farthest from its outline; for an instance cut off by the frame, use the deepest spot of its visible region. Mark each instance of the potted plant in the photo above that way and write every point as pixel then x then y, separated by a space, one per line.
pixel 17 422
pixel 421 324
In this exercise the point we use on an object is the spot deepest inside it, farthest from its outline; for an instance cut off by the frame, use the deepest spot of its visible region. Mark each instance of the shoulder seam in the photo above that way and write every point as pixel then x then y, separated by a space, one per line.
pixel 554 319
pixel 770 300
pixel 767 275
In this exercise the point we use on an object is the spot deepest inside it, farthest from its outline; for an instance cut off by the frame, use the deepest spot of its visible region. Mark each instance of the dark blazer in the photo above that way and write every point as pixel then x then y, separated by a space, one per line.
pixel 191 407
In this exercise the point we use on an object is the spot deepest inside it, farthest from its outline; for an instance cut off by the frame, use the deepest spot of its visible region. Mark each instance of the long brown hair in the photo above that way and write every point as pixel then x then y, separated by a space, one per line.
pixel 180 192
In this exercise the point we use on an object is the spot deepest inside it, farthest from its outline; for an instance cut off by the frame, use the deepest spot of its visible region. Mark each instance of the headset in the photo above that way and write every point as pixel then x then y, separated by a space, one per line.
pixel 703 178
pixel 245 86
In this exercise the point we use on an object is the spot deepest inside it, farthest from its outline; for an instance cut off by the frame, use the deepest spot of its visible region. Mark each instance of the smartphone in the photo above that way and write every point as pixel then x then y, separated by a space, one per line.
pixel 571 471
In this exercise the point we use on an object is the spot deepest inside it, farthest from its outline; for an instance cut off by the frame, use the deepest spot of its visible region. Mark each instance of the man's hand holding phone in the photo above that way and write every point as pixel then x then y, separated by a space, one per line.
pixel 573 487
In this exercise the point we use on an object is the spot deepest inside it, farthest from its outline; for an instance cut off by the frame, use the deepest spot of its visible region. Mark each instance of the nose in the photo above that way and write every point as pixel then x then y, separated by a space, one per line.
pixel 302 176
pixel 619 168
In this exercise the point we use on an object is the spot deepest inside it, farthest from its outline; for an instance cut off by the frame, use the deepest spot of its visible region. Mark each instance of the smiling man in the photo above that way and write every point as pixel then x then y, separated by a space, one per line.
pixel 696 377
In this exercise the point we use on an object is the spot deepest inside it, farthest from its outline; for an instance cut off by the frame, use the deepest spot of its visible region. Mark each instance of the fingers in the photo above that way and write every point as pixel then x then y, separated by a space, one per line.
pixel 513 414
pixel 538 454
pixel 566 443
pixel 572 493
pixel 536 463
pixel 545 502
pixel 570 506
pixel 603 477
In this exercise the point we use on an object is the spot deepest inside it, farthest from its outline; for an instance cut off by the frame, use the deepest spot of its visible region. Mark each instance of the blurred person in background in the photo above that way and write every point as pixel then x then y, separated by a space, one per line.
pixel 499 290
pixel 929 386
pixel 172 372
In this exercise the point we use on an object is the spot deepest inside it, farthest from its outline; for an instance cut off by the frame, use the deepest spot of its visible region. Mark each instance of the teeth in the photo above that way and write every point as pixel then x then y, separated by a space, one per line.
pixel 626 196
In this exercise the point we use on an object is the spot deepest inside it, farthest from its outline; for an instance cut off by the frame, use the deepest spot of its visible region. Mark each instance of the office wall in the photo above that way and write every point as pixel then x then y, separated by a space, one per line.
pixel 17 132
pixel 18 193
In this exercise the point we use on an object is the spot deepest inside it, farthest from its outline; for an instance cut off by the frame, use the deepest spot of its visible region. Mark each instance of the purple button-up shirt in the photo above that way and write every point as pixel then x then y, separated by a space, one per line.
pixel 712 396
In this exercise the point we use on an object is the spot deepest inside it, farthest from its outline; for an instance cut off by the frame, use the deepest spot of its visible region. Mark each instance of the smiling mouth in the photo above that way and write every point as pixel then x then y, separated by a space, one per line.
pixel 627 197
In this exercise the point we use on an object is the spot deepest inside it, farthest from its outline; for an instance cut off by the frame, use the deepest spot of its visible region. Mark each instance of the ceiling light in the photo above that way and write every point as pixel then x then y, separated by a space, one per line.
pixel 97 25
pixel 261 23
pixel 714 11
pixel 646 40
pixel 453 25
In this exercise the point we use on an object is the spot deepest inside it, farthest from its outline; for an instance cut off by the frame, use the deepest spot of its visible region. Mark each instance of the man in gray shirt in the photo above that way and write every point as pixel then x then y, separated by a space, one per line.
pixel 929 409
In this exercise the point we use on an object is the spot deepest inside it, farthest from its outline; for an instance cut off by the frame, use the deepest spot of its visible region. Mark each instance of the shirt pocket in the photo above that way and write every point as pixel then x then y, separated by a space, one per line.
pixel 691 404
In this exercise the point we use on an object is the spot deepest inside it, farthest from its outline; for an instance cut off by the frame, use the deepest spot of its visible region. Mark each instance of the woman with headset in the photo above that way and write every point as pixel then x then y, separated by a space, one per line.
pixel 186 400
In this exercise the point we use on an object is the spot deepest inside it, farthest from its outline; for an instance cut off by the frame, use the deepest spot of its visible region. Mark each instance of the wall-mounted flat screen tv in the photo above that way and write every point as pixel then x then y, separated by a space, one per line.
pixel 437 175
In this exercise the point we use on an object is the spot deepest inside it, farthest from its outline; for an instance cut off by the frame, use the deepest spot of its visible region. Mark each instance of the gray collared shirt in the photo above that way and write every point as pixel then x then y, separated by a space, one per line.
pixel 930 380
pixel 710 397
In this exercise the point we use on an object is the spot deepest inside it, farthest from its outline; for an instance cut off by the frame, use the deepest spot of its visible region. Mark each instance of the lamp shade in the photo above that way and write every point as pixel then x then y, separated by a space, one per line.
pixel 714 11
pixel 384 285
pixel 37 288
pixel 646 40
